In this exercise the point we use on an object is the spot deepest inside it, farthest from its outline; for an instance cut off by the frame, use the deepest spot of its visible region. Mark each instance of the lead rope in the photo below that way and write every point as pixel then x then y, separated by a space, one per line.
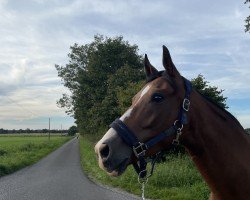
pixel 142 191
pixel 142 182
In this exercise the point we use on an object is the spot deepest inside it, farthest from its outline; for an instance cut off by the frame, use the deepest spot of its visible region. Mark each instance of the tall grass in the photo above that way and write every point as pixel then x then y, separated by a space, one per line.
pixel 17 151
pixel 175 179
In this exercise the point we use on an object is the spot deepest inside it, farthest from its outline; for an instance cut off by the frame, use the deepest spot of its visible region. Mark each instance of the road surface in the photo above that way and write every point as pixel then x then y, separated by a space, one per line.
pixel 56 177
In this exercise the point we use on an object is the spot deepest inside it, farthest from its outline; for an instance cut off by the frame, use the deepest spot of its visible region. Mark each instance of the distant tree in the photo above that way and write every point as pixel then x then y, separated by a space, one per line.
pixel 212 92
pixel 44 130
pixel 247 20
pixel 28 130
pixel 3 131
pixel 72 130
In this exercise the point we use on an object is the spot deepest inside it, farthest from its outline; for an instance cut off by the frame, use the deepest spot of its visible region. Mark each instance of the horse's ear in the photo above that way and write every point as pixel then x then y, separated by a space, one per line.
pixel 149 69
pixel 168 63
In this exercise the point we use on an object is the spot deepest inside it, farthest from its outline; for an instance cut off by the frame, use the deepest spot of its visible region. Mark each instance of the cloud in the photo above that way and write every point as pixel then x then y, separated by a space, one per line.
pixel 203 37
pixel 31 102
pixel 12 76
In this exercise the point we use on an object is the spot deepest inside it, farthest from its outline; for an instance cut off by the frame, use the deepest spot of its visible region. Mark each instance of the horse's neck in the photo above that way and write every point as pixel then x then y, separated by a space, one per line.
pixel 219 147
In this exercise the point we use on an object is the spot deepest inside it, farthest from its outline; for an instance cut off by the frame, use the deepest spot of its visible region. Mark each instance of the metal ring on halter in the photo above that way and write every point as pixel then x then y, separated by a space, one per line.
pixel 175 124
pixel 142 180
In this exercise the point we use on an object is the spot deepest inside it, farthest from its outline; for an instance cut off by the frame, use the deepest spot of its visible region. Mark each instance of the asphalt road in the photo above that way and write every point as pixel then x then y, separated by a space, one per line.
pixel 57 176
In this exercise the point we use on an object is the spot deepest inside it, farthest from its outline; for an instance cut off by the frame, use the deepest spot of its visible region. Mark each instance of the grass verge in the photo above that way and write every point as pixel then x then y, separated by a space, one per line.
pixel 176 179
pixel 17 152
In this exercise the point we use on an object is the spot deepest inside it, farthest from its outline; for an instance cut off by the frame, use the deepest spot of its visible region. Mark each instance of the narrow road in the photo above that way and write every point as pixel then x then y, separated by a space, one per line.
pixel 56 177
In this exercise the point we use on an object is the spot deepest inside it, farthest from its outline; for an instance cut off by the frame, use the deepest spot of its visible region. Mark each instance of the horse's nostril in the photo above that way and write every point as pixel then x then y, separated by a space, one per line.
pixel 104 151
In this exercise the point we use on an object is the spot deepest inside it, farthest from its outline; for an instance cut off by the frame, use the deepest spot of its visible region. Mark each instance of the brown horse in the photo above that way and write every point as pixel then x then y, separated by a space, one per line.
pixel 214 139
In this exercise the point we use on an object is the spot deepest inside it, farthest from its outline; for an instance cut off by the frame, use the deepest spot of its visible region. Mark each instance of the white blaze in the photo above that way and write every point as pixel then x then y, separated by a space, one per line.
pixel 126 114
pixel 144 91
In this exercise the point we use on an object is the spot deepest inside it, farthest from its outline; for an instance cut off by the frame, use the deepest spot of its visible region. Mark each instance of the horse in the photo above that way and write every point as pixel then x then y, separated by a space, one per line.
pixel 167 111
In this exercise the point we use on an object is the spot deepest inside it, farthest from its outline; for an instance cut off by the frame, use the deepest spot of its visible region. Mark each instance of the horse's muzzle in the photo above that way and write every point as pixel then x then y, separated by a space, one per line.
pixel 113 154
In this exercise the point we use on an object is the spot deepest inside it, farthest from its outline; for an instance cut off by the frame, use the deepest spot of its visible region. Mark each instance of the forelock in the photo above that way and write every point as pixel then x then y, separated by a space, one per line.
pixel 160 74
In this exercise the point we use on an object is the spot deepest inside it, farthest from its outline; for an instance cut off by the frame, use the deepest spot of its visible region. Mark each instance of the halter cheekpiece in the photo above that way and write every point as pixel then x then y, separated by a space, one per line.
pixel 140 148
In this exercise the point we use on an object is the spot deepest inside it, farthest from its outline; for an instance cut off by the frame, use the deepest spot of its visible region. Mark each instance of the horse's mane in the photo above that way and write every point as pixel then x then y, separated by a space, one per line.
pixel 210 100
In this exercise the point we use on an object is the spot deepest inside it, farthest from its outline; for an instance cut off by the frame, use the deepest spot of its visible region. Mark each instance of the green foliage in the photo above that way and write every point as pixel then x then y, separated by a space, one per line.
pixel 125 95
pixel 27 146
pixel 95 75
pixel 72 130
pixel 212 92
pixel 247 20
pixel 3 152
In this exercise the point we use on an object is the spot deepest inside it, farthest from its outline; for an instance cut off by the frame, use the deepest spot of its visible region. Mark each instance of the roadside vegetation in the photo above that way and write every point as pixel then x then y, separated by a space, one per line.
pixel 175 179
pixel 17 152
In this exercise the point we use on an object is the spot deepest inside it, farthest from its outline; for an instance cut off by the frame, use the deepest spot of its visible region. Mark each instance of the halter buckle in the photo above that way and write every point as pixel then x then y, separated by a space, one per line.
pixel 140 149
pixel 176 142
pixel 186 104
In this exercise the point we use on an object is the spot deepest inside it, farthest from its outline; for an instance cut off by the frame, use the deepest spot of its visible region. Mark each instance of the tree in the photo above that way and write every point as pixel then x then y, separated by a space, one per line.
pixel 247 20
pixel 212 92
pixel 72 130
pixel 92 75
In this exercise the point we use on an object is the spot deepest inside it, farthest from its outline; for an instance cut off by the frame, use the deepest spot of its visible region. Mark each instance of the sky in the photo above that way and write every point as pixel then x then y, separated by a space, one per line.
pixel 204 37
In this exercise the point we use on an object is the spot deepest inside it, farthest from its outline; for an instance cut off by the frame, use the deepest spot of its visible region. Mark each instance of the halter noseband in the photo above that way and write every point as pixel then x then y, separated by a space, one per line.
pixel 140 148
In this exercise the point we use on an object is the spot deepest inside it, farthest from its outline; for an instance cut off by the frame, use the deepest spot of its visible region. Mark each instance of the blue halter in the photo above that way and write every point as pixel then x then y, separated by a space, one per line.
pixel 140 148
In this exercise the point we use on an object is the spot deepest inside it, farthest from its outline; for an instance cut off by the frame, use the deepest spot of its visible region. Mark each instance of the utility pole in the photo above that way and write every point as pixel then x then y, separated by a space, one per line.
pixel 61 130
pixel 49 128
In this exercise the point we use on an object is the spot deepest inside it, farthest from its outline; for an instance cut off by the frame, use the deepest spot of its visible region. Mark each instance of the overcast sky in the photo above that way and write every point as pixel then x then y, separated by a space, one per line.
pixel 204 37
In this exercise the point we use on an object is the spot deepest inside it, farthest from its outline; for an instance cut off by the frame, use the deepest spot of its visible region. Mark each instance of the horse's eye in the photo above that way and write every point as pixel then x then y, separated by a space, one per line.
pixel 157 97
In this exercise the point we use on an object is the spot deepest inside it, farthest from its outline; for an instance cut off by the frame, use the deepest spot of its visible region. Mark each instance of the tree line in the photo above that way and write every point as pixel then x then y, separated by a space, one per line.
pixel 102 78
pixel 20 131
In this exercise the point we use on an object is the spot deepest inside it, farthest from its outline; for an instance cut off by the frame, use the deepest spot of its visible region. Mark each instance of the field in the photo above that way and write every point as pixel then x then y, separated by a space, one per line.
pixel 19 151
pixel 176 179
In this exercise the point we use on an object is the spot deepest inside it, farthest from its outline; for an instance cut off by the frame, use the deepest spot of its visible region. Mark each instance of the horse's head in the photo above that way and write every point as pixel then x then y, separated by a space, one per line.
pixel 155 109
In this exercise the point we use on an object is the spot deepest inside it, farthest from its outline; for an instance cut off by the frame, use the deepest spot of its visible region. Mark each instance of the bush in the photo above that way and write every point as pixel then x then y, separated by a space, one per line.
pixel 72 130
pixel 2 152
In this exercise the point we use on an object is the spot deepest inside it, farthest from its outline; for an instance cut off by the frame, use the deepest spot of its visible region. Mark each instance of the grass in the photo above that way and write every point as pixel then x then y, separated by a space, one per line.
pixel 176 179
pixel 17 152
